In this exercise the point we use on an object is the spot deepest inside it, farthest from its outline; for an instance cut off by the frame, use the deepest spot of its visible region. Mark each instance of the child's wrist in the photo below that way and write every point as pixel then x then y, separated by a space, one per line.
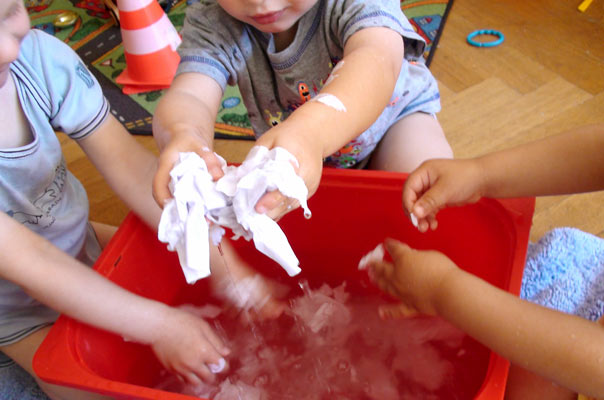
pixel 191 134
pixel 154 322
pixel 446 288
pixel 482 179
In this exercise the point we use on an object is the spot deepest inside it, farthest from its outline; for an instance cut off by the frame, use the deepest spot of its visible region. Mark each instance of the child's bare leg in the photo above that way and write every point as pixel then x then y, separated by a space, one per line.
pixel 103 232
pixel 523 384
pixel 409 142
pixel 23 352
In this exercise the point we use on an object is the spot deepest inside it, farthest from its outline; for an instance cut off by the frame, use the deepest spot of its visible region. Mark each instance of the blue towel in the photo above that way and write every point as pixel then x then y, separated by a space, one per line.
pixel 565 271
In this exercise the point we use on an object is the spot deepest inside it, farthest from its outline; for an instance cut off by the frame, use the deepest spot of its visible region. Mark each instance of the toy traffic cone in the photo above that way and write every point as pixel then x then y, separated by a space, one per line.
pixel 150 41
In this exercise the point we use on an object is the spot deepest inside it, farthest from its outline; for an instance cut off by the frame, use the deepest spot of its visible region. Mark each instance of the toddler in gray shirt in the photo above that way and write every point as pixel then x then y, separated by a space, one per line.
pixel 338 83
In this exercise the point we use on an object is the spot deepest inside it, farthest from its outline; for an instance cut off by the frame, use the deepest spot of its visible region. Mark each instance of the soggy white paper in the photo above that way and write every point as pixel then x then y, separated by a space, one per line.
pixel 230 202
pixel 374 255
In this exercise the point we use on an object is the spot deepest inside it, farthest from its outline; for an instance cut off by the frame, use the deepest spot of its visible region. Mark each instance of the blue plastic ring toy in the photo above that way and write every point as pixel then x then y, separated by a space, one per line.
pixel 492 32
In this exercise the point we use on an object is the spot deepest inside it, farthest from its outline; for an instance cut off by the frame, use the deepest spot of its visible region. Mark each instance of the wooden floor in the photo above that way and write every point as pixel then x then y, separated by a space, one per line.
pixel 548 76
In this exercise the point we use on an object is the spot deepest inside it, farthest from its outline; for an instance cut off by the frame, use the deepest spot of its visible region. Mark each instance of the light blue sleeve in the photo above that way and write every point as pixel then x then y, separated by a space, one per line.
pixel 77 104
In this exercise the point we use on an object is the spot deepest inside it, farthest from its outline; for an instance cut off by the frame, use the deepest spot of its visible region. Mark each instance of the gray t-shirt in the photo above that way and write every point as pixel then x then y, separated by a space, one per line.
pixel 273 84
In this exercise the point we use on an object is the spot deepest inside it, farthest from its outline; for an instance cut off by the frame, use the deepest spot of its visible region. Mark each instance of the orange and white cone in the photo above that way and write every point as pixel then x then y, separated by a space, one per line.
pixel 150 41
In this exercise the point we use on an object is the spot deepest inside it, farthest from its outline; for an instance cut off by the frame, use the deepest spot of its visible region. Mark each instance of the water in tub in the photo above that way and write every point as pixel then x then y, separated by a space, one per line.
pixel 331 344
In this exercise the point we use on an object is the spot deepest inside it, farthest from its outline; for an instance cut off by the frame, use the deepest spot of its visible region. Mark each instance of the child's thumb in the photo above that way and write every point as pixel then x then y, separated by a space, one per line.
pixel 396 249
pixel 160 187
pixel 430 202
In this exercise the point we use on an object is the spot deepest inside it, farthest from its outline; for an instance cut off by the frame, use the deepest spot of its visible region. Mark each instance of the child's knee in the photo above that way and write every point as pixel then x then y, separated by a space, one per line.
pixel 103 232
pixel 22 352
pixel 412 140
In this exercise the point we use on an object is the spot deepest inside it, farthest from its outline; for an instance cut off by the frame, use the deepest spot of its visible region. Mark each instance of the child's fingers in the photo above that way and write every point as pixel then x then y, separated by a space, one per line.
pixel 194 371
pixel 283 208
pixel 380 273
pixel 272 309
pixel 409 198
pixel 431 202
pixel 189 378
pixel 196 375
pixel 275 205
pixel 212 162
pixel 269 201
pixel 428 223
pixel 210 364
pixel 432 221
pixel 215 341
pixel 397 250
pixel 269 311
pixel 417 184
pixel 161 180
pixel 422 195
pixel 379 270
pixel 423 225
pixel 395 311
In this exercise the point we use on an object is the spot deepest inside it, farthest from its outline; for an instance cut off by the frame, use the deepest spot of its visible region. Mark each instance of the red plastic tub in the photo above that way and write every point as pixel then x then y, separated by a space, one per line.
pixel 352 212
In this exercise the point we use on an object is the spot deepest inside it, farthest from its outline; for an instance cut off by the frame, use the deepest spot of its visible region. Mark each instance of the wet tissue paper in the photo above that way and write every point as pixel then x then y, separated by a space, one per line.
pixel 229 202
pixel 375 255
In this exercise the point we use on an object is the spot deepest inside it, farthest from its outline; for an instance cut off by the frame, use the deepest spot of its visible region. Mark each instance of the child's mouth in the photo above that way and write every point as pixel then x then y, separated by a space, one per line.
pixel 269 18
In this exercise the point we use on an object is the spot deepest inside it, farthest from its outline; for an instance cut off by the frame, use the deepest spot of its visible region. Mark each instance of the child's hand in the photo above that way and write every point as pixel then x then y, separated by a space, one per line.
pixel 253 297
pixel 415 277
pixel 310 159
pixel 276 205
pixel 437 184
pixel 237 284
pixel 188 347
pixel 248 293
pixel 183 139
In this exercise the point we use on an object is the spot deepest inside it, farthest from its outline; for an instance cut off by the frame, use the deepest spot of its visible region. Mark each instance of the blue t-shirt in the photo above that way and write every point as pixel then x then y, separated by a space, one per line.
pixel 57 93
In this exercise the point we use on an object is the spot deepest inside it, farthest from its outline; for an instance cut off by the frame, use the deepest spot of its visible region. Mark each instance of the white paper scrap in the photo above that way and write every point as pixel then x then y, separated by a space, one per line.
pixel 202 208
pixel 374 255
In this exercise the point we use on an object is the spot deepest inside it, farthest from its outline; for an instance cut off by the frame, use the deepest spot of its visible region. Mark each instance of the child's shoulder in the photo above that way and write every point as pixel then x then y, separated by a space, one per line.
pixel 41 39
pixel 53 71
pixel 38 44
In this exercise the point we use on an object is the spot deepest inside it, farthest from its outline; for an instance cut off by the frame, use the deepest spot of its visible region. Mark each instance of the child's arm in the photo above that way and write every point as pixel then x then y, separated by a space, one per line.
pixel 129 168
pixel 126 165
pixel 183 343
pixel 239 285
pixel 363 84
pixel 571 162
pixel 564 348
pixel 184 121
